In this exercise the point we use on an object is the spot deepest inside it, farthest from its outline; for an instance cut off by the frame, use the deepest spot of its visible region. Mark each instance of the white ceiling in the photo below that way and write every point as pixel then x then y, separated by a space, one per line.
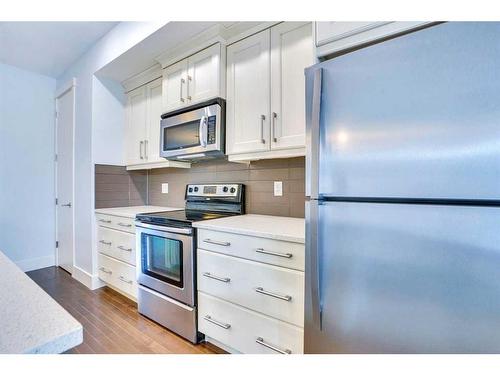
pixel 48 48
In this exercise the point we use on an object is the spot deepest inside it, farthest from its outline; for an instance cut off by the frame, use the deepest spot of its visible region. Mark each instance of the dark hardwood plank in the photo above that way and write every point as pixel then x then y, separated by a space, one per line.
pixel 111 322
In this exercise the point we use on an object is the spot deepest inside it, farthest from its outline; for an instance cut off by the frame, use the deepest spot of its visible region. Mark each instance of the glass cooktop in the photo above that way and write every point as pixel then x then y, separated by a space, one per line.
pixel 180 218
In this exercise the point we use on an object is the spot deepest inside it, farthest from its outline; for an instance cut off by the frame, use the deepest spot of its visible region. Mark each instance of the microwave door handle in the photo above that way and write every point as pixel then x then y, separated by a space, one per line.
pixel 203 131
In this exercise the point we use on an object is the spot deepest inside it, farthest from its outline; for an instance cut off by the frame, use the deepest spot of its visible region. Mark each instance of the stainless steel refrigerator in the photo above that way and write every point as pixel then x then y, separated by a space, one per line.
pixel 403 175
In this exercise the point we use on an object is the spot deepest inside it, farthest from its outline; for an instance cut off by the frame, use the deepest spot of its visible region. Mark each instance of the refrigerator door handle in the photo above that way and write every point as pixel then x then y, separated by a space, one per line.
pixel 312 135
pixel 312 253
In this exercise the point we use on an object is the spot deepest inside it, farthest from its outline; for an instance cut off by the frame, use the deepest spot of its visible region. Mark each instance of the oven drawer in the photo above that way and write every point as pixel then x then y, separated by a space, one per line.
pixel 117 244
pixel 240 328
pixel 271 290
pixel 125 224
pixel 118 274
pixel 265 250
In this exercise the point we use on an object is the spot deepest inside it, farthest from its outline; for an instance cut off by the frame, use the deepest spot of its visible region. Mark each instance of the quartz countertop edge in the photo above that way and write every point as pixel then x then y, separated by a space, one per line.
pixel 32 321
pixel 266 226
pixel 131 211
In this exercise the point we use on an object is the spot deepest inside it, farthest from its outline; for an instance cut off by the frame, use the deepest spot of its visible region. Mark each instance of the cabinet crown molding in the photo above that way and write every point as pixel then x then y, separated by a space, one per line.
pixel 142 78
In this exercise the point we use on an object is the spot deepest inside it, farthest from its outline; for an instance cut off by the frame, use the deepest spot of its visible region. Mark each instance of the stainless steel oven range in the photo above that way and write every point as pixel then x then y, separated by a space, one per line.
pixel 167 255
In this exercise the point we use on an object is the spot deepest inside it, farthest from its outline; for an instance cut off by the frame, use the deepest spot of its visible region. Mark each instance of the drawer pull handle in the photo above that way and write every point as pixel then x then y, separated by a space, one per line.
pixel 124 248
pixel 282 255
pixel 261 341
pixel 105 270
pixel 105 221
pixel 210 276
pixel 125 225
pixel 125 280
pixel 208 318
pixel 275 295
pixel 105 243
pixel 214 242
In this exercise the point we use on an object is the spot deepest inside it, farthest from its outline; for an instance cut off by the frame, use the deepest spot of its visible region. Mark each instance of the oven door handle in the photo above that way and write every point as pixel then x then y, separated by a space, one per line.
pixel 202 133
pixel 139 224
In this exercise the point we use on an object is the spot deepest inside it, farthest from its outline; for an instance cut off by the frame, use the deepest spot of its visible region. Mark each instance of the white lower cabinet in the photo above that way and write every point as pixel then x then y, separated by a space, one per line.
pixel 116 253
pixel 245 330
pixel 249 301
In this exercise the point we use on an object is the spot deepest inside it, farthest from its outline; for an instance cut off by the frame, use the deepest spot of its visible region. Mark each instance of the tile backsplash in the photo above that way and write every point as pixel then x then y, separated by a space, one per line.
pixel 258 177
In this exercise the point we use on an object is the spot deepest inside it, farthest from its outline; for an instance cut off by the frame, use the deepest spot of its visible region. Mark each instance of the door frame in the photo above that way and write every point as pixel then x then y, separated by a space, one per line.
pixel 70 85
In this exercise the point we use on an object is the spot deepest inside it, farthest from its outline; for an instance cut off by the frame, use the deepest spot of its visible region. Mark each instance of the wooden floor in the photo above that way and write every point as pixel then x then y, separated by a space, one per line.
pixel 111 323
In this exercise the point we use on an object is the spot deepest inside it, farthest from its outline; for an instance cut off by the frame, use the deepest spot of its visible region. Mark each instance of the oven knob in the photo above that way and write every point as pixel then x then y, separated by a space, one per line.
pixel 232 190
pixel 224 189
pixel 195 189
pixel 190 189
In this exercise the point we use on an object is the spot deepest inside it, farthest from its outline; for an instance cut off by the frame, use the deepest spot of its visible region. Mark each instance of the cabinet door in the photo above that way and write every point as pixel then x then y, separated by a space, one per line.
pixel 203 79
pixel 154 110
pixel 292 51
pixel 330 31
pixel 248 89
pixel 175 86
pixel 136 126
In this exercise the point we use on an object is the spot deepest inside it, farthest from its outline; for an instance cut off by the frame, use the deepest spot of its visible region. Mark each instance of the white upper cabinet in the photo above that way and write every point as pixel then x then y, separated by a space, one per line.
pixel 135 126
pixel 194 79
pixel 248 90
pixel 332 37
pixel 175 86
pixel 154 111
pixel 265 92
pixel 291 51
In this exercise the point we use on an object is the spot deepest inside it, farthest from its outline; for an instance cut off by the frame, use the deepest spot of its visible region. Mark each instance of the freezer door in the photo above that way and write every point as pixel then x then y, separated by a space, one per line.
pixel 417 116
pixel 399 278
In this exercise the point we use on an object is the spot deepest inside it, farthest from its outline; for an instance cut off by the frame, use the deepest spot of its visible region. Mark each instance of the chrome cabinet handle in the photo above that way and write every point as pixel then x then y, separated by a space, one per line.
pixel 121 278
pixel 105 270
pixel 210 276
pixel 146 149
pixel 105 243
pixel 262 119
pixel 275 115
pixel 124 248
pixel 208 318
pixel 282 255
pixel 140 149
pixel 272 294
pixel 125 225
pixel 189 80
pixel 214 242
pixel 180 95
pixel 105 221
pixel 261 341
pixel 66 205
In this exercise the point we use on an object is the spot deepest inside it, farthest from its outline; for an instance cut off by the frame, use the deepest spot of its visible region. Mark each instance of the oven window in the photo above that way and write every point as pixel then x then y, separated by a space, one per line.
pixel 162 258
pixel 181 136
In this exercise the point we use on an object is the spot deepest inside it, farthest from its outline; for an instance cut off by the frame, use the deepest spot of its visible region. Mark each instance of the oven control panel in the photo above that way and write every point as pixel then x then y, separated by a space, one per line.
pixel 213 190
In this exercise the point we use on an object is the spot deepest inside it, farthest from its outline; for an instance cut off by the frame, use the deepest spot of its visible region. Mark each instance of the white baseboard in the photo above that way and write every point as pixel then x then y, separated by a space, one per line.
pixel 36 263
pixel 90 281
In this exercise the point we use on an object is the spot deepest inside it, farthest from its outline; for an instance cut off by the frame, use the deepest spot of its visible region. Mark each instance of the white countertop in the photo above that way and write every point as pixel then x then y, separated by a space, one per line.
pixel 31 321
pixel 275 227
pixel 133 210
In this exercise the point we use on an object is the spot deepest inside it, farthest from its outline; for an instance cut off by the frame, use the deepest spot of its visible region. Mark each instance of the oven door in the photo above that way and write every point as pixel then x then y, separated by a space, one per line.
pixel 194 132
pixel 166 261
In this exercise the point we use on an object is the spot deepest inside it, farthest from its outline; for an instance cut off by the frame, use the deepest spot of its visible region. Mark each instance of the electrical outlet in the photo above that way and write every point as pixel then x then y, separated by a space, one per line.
pixel 278 188
pixel 164 188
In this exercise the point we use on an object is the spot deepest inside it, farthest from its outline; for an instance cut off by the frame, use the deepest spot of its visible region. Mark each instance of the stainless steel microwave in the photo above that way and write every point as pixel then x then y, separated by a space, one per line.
pixel 195 132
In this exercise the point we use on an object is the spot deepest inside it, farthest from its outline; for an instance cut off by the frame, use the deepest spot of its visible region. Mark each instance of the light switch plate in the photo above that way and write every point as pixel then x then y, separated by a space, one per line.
pixel 164 188
pixel 278 188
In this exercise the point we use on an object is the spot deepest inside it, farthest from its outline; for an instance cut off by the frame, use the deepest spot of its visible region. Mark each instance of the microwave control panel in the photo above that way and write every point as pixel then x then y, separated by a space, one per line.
pixel 211 130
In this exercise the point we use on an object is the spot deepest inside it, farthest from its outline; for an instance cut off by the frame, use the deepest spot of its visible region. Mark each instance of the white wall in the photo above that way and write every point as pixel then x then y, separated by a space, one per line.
pixel 27 193
pixel 90 148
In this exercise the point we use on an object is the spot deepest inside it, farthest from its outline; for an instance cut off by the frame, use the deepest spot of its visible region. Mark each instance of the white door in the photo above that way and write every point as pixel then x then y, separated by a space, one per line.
pixel 292 51
pixel 65 109
pixel 135 135
pixel 175 86
pixel 248 90
pixel 154 111
pixel 203 80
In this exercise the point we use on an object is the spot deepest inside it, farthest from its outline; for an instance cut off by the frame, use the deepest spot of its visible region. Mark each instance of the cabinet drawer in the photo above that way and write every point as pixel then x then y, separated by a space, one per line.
pixel 117 244
pixel 240 328
pixel 265 250
pixel 118 274
pixel 125 224
pixel 274 291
